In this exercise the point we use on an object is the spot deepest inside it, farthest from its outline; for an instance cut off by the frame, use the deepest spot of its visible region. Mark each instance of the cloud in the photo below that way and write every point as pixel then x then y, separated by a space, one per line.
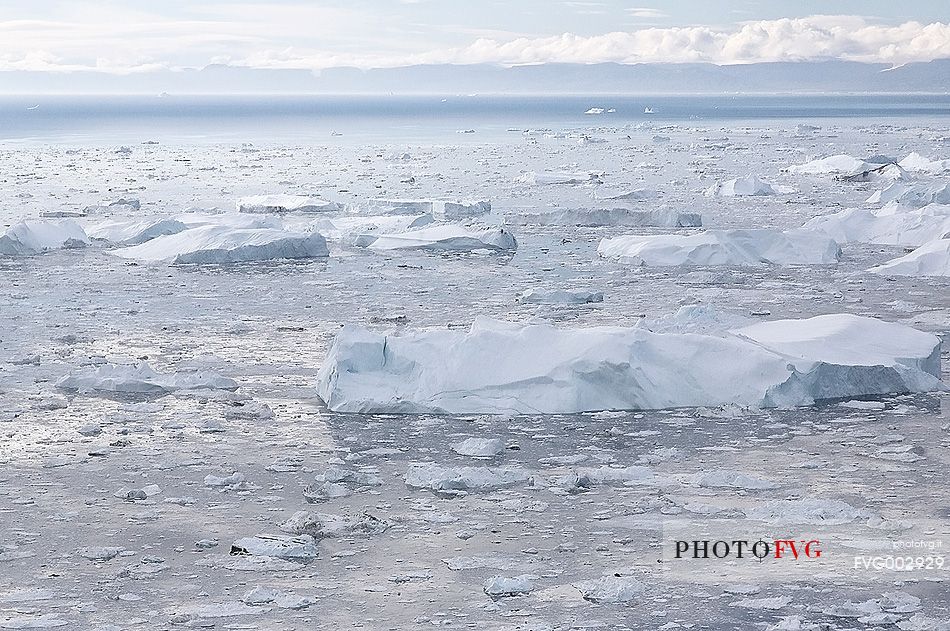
pixel 645 12
pixel 307 37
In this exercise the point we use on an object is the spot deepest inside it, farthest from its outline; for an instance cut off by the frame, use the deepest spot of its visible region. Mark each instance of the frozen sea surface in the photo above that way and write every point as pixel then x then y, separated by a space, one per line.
pixel 120 512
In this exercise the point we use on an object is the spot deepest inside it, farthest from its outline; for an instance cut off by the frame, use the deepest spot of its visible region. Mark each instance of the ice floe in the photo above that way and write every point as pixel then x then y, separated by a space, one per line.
pixel 142 379
pixel 560 297
pixel 439 478
pixel 723 247
pixel 501 367
pixel 222 244
pixel 561 177
pixel 450 237
pixel 38 236
pixel 930 259
pixel 286 203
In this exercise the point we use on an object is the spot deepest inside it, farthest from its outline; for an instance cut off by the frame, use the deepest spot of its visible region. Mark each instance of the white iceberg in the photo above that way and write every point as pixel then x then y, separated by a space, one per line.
pixel 222 244
pixel 479 447
pixel 363 231
pixel 914 195
pixel 920 164
pixel 559 177
pixel 301 548
pixel 135 231
pixel 440 209
pixel 890 225
pixel 837 164
pixel 438 478
pixel 499 586
pixel 36 237
pixel 749 185
pixel 142 379
pixel 560 297
pixel 616 216
pixel 723 247
pixel 930 259
pixel 451 237
pixel 286 203
pixel 500 367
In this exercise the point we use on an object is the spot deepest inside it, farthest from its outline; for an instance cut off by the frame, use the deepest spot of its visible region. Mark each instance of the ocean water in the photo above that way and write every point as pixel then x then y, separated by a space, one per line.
pixel 99 119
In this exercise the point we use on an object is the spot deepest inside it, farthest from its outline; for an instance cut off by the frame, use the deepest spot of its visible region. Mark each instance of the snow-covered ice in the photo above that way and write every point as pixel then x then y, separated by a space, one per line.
pixel 890 225
pixel 286 203
pixel 930 259
pixel 36 237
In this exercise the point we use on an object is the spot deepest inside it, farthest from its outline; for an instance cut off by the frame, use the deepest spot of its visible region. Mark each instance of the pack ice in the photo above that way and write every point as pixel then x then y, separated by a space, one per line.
pixel 500 367
pixel 439 209
pixel 930 259
pixel 223 244
pixel 611 216
pixel 286 203
pixel 723 247
pixel 448 237
pixel 37 236
pixel 890 225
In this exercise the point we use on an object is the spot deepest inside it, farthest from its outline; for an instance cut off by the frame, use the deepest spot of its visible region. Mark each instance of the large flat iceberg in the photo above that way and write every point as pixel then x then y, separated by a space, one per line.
pixel 891 225
pixel 440 209
pixel 450 237
pixel 222 244
pixel 286 203
pixel 723 247
pixel 611 216
pixel 37 236
pixel 501 367
pixel 930 259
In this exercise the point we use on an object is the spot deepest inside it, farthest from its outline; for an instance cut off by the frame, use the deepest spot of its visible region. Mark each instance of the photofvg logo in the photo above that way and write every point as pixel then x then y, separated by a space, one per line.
pixel 761 549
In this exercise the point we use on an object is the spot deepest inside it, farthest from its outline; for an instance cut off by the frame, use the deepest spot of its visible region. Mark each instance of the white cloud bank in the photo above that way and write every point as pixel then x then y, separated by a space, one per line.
pixel 131 46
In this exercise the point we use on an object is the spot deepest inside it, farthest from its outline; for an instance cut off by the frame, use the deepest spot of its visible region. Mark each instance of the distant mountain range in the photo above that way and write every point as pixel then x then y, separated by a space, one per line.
pixel 699 78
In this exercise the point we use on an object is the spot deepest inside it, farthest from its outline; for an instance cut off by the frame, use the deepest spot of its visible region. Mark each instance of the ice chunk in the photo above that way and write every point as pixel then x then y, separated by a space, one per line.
pixel 140 378
pixel 499 586
pixel 553 177
pixel 610 589
pixel 438 478
pixel 299 548
pixel 723 247
pixel 448 237
pixel 809 510
pixel 363 231
pixel 699 318
pixel 917 162
pixel 222 244
pixel 749 185
pixel 616 216
pixel 286 203
pixel 560 297
pixel 888 226
pixel 841 164
pixel 35 237
pixel 450 210
pixel 914 195
pixel 930 259
pixel 479 447
pixel 500 367
pixel 134 232
pixel 733 480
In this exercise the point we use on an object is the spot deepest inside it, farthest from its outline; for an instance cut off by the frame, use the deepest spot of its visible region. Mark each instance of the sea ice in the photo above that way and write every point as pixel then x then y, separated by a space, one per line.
pixel 298 548
pixel 560 297
pixel 499 586
pixel 36 237
pixel 222 244
pixel 610 589
pixel 286 203
pixel 479 447
pixel 141 379
pixel 449 237
pixel 809 510
pixel 554 177
pixel 612 216
pixel 930 259
pixel 723 247
pixel 438 478
pixel 501 367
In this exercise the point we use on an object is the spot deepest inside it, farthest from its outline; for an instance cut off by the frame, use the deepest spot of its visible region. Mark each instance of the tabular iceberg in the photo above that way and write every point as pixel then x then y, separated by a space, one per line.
pixel 930 259
pixel 723 247
pixel 286 203
pixel 616 216
pixel 37 236
pixel 500 367
pixel 221 244
pixel 891 225
pixel 448 237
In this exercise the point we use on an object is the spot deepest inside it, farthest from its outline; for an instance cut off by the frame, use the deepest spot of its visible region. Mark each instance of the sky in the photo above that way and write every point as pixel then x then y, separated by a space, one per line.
pixel 140 36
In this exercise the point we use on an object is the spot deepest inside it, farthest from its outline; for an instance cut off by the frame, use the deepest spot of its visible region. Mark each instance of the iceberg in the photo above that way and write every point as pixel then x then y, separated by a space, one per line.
pixel 440 209
pixel 912 195
pixel 930 259
pixel 553 177
pixel 837 164
pixel 504 368
pixel 890 225
pixel 134 232
pixel 448 237
pixel 142 379
pixel 286 203
pixel 723 247
pixel 617 216
pixel 363 231
pixel 37 236
pixel 745 186
pixel 560 297
pixel 920 164
pixel 221 244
